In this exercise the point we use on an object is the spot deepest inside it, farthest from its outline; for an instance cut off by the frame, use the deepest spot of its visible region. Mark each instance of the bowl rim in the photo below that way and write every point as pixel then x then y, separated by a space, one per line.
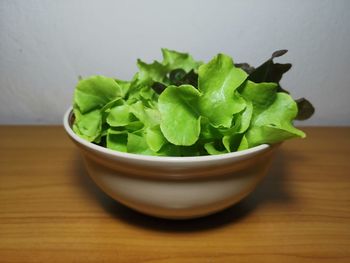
pixel 149 158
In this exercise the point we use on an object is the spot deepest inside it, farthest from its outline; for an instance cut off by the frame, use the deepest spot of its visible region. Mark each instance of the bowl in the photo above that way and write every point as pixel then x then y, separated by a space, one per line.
pixel 173 187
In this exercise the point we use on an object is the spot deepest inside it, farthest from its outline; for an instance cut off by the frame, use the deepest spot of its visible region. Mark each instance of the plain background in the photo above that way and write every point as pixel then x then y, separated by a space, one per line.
pixel 46 45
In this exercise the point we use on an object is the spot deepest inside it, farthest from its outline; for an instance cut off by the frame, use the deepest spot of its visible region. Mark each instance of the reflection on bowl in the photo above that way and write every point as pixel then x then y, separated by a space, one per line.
pixel 173 187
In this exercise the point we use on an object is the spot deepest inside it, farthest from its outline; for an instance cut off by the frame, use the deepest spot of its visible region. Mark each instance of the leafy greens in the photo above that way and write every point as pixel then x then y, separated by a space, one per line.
pixel 184 107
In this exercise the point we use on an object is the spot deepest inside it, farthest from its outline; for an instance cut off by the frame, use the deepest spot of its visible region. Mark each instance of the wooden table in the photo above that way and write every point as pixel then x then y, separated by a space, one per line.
pixel 51 211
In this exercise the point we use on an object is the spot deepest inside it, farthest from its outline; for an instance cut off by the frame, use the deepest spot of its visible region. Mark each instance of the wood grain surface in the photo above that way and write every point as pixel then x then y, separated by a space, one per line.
pixel 51 211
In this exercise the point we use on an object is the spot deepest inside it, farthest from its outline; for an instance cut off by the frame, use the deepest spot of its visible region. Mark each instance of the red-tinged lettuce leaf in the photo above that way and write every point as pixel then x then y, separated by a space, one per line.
pixel 176 108
pixel 179 77
pixel 270 71
pixel 305 109
pixel 246 67
pixel 176 69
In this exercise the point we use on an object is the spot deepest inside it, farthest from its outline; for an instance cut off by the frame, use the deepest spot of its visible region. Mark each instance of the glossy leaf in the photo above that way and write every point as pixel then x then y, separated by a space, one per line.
pixel 149 117
pixel 119 116
pixel 270 71
pixel 180 119
pixel 242 120
pixel 124 87
pixel 218 81
pixel 274 124
pixel 244 144
pixel 181 107
pixel 261 95
pixel 176 60
pixel 212 148
pixel 117 140
pixel 137 144
pixel 155 138
pixel 95 92
pixel 232 142
pixel 89 125
pixel 150 73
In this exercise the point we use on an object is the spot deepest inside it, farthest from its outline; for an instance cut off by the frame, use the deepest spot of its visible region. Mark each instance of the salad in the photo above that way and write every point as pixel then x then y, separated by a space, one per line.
pixel 184 107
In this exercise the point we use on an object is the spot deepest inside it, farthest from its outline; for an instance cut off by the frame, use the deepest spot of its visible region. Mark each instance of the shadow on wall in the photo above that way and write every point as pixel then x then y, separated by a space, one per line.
pixel 271 189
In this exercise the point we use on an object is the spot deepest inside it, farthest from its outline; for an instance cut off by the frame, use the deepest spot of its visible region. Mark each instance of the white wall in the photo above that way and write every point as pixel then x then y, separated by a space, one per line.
pixel 45 45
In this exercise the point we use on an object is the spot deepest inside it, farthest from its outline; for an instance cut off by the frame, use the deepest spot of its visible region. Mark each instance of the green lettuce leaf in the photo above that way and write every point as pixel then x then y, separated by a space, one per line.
pixel 232 142
pixel 261 95
pixel 214 147
pixel 242 120
pixel 182 107
pixel 270 71
pixel 274 124
pixel 89 125
pixel 155 138
pixel 124 87
pixel 209 132
pixel 180 119
pixel 119 116
pixel 117 140
pixel 95 92
pixel 244 144
pixel 148 116
pixel 177 60
pixel 149 73
pixel 218 81
pixel 137 144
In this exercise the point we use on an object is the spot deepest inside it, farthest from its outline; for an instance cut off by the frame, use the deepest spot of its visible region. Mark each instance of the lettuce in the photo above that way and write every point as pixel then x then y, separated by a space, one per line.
pixel 184 107
pixel 218 81
pixel 180 116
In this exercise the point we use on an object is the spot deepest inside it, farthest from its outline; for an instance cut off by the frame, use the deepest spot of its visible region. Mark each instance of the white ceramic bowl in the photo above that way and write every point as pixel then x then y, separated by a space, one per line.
pixel 173 187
